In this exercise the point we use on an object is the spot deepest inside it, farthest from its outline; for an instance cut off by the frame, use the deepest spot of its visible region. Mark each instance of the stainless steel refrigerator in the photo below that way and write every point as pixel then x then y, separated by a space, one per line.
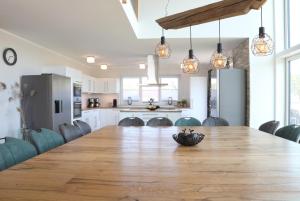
pixel 46 101
pixel 227 95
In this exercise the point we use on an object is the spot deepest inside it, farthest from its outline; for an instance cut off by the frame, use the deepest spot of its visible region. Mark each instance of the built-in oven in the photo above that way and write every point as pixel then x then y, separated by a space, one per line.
pixel 77 110
pixel 77 104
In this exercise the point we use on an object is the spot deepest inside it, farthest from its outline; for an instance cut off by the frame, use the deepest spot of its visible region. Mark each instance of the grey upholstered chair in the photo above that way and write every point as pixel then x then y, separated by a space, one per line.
pixel 131 121
pixel 159 121
pixel 291 132
pixel 84 127
pixel 269 127
pixel 70 132
pixel 215 121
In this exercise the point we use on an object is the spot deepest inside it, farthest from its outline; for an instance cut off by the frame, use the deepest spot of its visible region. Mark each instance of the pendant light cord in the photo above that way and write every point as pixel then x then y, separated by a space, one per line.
pixel 166 14
pixel 219 31
pixel 261 16
pixel 191 45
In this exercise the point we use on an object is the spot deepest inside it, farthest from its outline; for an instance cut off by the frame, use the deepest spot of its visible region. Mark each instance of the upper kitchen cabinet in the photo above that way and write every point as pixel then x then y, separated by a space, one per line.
pixel 75 75
pixel 88 84
pixel 107 85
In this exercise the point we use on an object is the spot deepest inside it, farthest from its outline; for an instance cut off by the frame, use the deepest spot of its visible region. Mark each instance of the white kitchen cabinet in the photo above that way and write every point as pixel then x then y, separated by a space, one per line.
pixel 92 117
pixel 109 117
pixel 107 85
pixel 88 84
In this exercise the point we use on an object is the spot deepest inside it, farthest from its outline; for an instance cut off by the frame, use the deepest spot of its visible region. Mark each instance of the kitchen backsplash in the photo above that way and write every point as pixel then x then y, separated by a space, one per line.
pixel 106 100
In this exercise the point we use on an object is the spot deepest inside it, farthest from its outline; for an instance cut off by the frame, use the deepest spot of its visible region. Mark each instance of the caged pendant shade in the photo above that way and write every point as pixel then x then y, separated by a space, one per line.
pixel 191 63
pixel 218 59
pixel 262 45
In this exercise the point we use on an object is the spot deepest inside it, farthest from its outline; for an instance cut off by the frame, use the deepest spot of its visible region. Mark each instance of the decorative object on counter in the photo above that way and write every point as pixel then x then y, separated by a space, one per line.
pixel 262 45
pixel 170 101
pixel 182 103
pixel 153 107
pixel 2 86
pixel 10 56
pixel 218 59
pixel 188 139
pixel 22 94
pixel 163 49
pixel 191 63
pixel 91 103
pixel 129 101
pixel 115 103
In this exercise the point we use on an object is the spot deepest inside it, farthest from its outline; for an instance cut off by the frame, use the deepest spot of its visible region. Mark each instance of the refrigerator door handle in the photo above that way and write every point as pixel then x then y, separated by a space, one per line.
pixel 57 106
pixel 61 106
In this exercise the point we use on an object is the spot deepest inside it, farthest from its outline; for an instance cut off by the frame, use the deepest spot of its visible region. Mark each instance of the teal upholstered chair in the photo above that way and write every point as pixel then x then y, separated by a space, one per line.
pixel 46 139
pixel 291 132
pixel 15 151
pixel 187 121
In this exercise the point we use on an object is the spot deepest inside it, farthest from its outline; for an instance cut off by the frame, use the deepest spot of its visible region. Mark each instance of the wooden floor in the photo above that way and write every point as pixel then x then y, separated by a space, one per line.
pixel 145 164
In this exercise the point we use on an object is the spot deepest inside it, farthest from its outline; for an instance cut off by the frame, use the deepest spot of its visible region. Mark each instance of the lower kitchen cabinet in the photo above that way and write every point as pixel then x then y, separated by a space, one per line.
pixel 99 118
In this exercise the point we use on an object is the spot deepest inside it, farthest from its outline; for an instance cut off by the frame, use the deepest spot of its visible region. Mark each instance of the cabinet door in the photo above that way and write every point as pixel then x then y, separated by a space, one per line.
pixel 113 86
pixel 85 84
pixel 100 86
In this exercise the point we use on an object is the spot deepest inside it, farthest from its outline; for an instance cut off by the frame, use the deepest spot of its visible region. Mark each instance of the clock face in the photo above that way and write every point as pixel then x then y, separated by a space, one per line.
pixel 10 56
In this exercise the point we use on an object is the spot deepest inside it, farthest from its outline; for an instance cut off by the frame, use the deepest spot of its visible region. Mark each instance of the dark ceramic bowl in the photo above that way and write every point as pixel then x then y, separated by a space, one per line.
pixel 189 139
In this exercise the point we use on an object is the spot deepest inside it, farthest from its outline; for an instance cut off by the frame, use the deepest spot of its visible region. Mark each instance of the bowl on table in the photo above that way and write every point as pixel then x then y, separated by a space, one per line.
pixel 188 139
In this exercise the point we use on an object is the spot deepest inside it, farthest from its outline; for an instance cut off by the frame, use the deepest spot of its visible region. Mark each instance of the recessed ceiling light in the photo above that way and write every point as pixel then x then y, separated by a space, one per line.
pixel 103 67
pixel 142 66
pixel 90 60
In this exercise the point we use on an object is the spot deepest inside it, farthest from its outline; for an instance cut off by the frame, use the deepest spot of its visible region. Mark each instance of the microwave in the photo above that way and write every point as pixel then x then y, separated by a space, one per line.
pixel 76 90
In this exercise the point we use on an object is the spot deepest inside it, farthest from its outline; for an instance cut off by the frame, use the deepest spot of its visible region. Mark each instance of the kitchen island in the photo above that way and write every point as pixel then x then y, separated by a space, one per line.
pixel 145 114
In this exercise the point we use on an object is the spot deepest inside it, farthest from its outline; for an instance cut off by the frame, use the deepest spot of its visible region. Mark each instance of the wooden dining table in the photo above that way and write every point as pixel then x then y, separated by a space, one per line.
pixel 146 164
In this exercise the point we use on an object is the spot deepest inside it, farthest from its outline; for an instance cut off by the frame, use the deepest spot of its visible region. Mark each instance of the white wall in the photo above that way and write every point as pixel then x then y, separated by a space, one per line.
pixel 31 59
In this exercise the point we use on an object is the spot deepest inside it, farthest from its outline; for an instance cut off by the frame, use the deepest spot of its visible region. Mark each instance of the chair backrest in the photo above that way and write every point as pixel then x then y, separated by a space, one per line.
pixel 131 121
pixel 15 151
pixel 291 132
pixel 84 127
pixel 215 121
pixel 188 121
pixel 46 139
pixel 269 127
pixel 69 132
pixel 159 121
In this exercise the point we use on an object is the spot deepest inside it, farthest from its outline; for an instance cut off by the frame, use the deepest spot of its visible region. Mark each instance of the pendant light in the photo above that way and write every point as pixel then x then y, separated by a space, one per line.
pixel 163 49
pixel 218 59
pixel 262 45
pixel 191 63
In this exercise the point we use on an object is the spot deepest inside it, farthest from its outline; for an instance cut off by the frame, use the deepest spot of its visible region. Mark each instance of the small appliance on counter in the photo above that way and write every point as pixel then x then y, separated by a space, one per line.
pixel 96 102
pixel 115 103
pixel 91 103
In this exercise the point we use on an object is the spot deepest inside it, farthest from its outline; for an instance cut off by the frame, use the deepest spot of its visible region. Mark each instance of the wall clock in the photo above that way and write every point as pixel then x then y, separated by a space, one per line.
pixel 10 56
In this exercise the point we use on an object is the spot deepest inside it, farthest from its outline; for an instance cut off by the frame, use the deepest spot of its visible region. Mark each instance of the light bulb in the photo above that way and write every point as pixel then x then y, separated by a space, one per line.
pixel 163 49
pixel 218 60
pixel 262 45
pixel 190 64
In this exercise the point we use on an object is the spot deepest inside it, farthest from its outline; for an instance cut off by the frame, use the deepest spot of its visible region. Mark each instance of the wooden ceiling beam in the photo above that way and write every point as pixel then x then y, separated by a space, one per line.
pixel 212 12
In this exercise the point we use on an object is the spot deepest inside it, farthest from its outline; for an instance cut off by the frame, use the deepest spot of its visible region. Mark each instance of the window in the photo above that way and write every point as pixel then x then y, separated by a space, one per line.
pixel 169 91
pixel 294 28
pixel 131 88
pixel 294 85
pixel 149 92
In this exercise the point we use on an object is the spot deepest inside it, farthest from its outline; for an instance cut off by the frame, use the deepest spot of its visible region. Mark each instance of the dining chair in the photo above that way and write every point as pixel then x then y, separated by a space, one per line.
pixel 188 121
pixel 70 132
pixel 291 132
pixel 269 127
pixel 215 121
pixel 14 151
pixel 45 139
pixel 85 127
pixel 131 121
pixel 159 121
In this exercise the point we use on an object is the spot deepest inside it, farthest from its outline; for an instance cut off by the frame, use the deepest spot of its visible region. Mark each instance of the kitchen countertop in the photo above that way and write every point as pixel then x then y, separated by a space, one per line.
pixel 146 110
pixel 139 109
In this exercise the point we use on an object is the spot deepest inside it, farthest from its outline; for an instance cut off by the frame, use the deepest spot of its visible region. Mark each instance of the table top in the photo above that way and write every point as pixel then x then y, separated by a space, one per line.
pixel 141 164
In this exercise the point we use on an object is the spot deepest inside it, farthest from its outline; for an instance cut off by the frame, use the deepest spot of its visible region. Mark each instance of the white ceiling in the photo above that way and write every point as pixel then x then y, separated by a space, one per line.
pixel 78 28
